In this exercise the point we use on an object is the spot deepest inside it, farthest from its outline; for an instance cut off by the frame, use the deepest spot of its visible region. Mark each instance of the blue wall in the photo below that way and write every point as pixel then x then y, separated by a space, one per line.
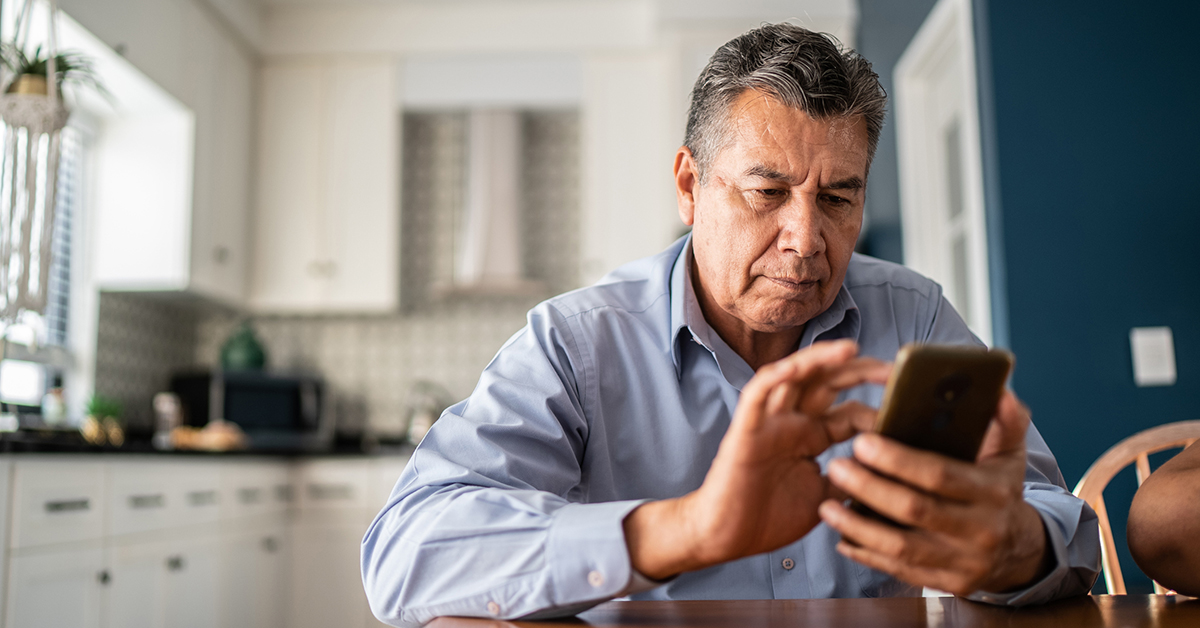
pixel 1095 108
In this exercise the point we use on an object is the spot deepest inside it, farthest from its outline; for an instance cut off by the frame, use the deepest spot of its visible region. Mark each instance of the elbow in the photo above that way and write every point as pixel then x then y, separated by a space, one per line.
pixel 383 576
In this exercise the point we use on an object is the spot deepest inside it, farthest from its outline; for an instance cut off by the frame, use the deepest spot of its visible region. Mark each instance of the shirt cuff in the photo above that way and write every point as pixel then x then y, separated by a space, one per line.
pixel 588 556
pixel 1043 589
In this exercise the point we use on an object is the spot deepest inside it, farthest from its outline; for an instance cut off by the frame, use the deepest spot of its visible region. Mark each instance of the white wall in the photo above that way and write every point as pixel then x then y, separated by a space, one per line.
pixel 628 65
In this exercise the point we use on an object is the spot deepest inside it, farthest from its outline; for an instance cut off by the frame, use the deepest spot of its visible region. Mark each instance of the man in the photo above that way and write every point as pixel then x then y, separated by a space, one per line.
pixel 1164 523
pixel 672 432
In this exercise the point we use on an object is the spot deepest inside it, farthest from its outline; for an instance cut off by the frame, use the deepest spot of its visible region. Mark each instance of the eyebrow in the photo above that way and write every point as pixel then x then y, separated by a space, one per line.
pixel 765 172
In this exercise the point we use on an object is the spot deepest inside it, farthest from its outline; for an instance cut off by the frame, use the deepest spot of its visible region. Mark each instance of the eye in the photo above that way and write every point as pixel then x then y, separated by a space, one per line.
pixel 771 193
pixel 839 201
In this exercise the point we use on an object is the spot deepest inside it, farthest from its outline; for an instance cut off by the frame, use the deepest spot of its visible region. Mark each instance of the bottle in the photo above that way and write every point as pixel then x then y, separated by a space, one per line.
pixel 54 406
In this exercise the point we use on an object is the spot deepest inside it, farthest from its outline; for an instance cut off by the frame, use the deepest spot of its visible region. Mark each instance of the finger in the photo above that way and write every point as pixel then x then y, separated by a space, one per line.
pixel 796 367
pixel 913 547
pixel 822 391
pixel 782 398
pixel 934 578
pixel 849 418
pixel 894 500
pixel 926 470
pixel 1006 434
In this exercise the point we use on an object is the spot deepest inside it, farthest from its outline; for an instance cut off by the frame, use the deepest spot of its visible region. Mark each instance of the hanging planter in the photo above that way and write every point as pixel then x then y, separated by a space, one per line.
pixel 33 113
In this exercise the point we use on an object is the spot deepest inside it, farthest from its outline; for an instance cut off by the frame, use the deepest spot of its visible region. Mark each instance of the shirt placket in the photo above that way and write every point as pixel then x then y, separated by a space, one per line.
pixel 789 576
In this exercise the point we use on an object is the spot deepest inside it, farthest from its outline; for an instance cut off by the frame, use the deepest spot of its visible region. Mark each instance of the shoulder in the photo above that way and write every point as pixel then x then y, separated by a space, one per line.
pixel 634 288
pixel 867 273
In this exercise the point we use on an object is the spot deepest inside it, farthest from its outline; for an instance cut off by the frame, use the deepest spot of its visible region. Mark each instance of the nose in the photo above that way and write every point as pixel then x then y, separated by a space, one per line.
pixel 801 227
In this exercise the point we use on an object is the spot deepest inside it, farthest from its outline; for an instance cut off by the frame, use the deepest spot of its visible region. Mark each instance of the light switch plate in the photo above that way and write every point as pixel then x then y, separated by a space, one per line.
pixel 1153 356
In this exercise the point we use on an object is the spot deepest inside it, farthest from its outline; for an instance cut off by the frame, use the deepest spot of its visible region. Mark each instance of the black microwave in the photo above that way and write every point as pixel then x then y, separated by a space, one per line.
pixel 276 411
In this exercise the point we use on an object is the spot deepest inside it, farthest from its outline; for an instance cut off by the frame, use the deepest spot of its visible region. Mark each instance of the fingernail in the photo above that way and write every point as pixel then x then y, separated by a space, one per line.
pixel 837 470
pixel 827 511
pixel 865 446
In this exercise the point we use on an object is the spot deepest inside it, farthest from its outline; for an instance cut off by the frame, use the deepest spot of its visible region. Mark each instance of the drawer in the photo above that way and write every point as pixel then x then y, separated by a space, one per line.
pixel 253 488
pixel 57 500
pixel 334 484
pixel 143 496
pixel 197 491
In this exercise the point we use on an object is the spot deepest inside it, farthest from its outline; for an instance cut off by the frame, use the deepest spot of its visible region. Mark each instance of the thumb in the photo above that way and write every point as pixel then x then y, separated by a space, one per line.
pixel 1006 433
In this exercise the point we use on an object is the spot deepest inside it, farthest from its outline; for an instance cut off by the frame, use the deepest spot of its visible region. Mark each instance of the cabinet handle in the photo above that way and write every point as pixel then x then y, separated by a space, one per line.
pixel 147 501
pixel 284 493
pixel 202 498
pixel 330 491
pixel 103 577
pixel 249 495
pixel 175 563
pixel 68 505
pixel 270 545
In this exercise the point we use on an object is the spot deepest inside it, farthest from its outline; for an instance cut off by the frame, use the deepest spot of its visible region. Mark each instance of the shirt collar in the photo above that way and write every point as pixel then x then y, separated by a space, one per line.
pixel 840 320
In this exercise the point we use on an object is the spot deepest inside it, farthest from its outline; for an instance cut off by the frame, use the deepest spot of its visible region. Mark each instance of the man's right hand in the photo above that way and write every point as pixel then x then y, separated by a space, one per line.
pixel 764 486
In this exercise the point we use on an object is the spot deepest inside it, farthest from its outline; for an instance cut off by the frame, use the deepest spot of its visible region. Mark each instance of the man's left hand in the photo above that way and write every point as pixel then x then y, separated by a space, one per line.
pixel 970 528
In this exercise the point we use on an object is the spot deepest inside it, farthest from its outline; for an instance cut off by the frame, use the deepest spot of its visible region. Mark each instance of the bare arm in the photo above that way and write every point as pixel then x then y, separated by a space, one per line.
pixel 1164 523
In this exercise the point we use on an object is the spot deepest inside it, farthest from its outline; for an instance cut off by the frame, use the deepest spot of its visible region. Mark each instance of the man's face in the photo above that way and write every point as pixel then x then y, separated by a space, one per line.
pixel 775 222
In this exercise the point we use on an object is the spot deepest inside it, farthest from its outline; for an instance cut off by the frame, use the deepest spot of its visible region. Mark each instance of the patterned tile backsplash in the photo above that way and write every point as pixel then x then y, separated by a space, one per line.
pixel 140 341
pixel 373 362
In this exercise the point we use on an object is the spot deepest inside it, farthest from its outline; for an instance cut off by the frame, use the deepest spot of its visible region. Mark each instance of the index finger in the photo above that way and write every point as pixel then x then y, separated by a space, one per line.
pixel 798 366
pixel 820 393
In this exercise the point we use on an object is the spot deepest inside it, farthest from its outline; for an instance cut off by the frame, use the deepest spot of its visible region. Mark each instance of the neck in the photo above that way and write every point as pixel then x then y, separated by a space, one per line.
pixel 757 348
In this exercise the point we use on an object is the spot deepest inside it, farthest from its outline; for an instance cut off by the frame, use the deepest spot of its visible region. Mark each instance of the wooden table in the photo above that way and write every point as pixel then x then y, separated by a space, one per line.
pixel 1115 611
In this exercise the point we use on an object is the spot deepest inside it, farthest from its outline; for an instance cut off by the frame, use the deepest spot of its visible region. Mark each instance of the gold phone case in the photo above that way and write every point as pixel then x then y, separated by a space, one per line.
pixel 941 398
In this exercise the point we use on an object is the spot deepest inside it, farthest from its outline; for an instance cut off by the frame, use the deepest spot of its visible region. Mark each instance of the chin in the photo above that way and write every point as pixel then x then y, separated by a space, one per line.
pixel 781 317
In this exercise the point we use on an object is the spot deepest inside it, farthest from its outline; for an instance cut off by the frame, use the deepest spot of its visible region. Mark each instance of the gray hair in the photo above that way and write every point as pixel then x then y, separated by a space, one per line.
pixel 802 69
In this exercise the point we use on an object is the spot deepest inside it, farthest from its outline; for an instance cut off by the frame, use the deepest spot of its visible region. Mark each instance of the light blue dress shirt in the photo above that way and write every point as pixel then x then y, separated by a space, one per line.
pixel 620 393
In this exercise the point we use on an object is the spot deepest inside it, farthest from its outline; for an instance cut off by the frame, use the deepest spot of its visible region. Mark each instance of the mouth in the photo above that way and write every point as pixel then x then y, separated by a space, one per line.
pixel 794 285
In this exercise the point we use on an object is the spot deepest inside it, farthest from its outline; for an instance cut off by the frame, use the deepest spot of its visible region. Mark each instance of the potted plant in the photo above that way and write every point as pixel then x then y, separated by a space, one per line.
pixel 29 71
pixel 103 422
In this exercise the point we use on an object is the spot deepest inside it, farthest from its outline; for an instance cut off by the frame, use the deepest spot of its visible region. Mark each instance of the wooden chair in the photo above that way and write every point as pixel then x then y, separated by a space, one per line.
pixel 1135 449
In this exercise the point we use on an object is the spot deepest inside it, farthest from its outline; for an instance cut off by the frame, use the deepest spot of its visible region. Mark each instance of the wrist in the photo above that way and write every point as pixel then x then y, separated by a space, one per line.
pixel 1031 554
pixel 659 540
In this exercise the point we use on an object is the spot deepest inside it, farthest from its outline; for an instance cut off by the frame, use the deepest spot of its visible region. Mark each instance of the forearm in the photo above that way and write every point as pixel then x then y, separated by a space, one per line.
pixel 471 551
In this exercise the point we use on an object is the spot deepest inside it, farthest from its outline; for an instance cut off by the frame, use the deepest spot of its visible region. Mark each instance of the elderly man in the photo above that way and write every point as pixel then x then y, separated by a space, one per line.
pixel 681 429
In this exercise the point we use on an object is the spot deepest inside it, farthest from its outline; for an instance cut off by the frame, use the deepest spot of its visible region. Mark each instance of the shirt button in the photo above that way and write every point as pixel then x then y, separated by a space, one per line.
pixel 788 564
pixel 596 579
pixel 493 608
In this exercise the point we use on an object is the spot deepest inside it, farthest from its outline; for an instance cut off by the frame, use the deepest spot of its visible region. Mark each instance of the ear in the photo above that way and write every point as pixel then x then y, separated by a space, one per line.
pixel 687 183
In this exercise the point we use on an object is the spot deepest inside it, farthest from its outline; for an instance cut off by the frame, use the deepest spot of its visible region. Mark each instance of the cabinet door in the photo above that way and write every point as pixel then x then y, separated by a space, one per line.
pixel 222 78
pixel 327 586
pixel 361 211
pixel 291 169
pixel 136 592
pixel 326 215
pixel 191 596
pixel 253 572
pixel 56 589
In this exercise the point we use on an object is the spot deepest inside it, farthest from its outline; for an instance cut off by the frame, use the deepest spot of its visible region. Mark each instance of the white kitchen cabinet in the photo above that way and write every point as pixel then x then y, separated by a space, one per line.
pixel 221 95
pixel 254 576
pixel 327 590
pixel 158 542
pixel 326 215
pixel 191 594
pixel 172 165
pixel 57 588
pixel 137 584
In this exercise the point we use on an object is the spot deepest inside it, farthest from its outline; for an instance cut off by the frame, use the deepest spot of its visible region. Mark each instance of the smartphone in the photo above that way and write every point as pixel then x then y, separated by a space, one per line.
pixel 941 398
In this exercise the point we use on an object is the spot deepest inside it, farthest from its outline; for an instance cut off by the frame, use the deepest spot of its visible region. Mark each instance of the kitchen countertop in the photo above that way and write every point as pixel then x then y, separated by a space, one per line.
pixel 67 442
